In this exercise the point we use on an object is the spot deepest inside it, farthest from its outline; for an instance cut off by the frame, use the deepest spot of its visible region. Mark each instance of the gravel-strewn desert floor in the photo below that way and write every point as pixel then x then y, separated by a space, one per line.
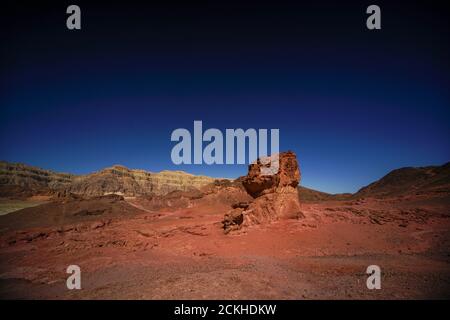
pixel 184 254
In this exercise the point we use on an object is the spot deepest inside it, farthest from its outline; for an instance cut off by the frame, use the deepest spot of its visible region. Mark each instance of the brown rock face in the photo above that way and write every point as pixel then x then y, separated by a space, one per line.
pixel 20 179
pixel 233 220
pixel 288 174
pixel 275 196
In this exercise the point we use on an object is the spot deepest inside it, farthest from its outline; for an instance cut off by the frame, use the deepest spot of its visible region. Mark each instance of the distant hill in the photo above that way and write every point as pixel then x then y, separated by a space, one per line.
pixel 410 180
pixel 121 180
pixel 311 195
pixel 20 180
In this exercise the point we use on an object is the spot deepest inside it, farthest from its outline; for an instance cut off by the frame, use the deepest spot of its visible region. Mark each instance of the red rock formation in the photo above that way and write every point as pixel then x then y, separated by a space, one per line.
pixel 275 196
pixel 288 174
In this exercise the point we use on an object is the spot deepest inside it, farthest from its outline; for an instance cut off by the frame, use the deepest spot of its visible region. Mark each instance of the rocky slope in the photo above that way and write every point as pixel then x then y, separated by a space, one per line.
pixel 311 195
pixel 410 181
pixel 20 180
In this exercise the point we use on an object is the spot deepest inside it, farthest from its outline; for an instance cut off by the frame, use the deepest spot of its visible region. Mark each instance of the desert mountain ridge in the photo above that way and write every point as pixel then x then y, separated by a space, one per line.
pixel 22 180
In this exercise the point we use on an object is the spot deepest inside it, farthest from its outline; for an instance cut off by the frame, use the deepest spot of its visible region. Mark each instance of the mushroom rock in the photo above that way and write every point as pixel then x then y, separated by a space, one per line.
pixel 274 196
pixel 288 175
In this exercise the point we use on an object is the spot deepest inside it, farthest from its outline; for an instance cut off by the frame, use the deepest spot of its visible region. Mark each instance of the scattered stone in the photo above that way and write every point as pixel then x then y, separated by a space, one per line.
pixel 233 220
pixel 243 205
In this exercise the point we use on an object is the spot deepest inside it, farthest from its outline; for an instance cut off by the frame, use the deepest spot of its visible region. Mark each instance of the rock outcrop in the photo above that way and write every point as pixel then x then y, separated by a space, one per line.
pixel 288 175
pixel 274 196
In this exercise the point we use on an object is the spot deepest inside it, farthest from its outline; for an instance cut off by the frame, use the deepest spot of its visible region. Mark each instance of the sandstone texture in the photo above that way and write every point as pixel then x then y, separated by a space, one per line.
pixel 288 175
pixel 274 196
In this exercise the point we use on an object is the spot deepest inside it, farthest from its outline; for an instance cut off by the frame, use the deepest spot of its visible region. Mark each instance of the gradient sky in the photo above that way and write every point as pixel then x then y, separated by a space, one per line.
pixel 352 103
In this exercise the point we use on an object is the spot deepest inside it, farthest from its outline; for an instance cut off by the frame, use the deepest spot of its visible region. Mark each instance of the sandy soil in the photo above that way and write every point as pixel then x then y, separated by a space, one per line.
pixel 184 254
pixel 8 206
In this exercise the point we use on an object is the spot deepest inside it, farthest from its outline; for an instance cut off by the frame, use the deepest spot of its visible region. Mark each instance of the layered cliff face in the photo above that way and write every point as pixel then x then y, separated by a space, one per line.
pixel 24 175
pixel 121 180
pixel 22 180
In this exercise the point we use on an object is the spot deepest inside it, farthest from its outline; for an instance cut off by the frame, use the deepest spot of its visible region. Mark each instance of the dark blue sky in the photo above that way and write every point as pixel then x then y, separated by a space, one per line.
pixel 352 103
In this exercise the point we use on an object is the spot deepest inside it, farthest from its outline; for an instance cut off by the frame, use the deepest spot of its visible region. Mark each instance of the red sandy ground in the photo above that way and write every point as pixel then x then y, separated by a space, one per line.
pixel 184 254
